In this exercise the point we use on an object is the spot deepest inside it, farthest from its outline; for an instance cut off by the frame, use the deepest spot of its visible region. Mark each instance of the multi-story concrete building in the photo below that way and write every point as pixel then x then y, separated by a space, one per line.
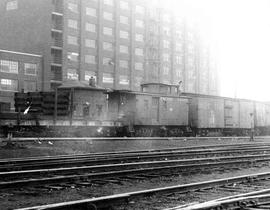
pixel 18 72
pixel 121 43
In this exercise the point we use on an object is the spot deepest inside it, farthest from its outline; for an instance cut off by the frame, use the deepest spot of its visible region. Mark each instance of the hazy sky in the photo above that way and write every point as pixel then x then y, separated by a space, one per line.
pixel 240 32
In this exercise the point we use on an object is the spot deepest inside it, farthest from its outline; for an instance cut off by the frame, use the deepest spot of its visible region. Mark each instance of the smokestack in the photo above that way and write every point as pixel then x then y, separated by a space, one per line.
pixel 92 82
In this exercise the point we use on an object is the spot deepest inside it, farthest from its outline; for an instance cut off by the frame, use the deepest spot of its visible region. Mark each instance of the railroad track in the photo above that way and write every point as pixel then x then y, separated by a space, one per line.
pixel 183 195
pixel 130 156
pixel 116 172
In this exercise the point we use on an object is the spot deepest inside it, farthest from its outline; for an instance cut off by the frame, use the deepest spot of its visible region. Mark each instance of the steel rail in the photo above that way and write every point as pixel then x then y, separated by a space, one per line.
pixel 110 167
pixel 122 198
pixel 112 174
pixel 83 161
pixel 104 154
pixel 38 160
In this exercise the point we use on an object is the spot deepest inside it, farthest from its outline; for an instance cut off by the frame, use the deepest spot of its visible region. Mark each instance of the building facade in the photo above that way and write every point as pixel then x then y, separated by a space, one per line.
pixel 18 72
pixel 121 43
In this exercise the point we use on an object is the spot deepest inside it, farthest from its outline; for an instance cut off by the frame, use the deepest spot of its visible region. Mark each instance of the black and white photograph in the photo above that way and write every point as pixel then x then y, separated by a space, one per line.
pixel 134 104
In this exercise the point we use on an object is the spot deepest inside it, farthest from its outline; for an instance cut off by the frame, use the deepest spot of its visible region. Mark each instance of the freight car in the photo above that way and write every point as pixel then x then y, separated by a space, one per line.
pixel 79 109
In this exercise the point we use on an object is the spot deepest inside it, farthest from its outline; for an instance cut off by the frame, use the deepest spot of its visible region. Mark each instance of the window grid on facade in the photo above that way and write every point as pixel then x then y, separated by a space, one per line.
pixel 123 19
pixel 166 57
pixel 123 80
pixel 138 66
pixel 8 84
pixel 89 74
pixel 72 23
pixel 108 16
pixel 90 43
pixel 91 11
pixel 91 59
pixel 139 37
pixel 108 2
pixel 166 70
pixel 30 86
pixel 139 51
pixel 139 23
pixel 30 69
pixel 73 7
pixel 73 40
pixel 123 49
pixel 9 66
pixel 107 31
pixel 139 9
pixel 123 63
pixel 72 74
pixel 107 61
pixel 12 5
pixel 107 46
pixel 107 78
pixel 124 5
pixel 124 34
pixel 73 56
pixel 90 27
pixel 166 44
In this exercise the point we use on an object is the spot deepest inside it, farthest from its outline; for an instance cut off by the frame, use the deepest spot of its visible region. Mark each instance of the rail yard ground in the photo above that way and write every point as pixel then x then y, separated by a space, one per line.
pixel 29 147
pixel 41 194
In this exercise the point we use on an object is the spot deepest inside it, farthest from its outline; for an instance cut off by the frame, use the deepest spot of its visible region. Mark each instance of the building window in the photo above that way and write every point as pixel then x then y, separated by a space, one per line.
pixel 166 70
pixel 90 43
pixel 123 80
pixel 123 64
pixel 123 49
pixel 179 59
pixel 107 61
pixel 190 62
pixel 108 2
pixel 107 31
pixel 72 56
pixel 73 7
pixel 73 40
pixel 190 48
pixel 179 34
pixel 90 59
pixel 73 24
pixel 139 23
pixel 138 81
pixel 139 66
pixel 72 74
pixel 30 86
pixel 9 66
pixel 166 31
pixel 139 51
pixel 89 74
pixel 9 85
pixel 124 5
pixel 91 12
pixel 139 37
pixel 123 19
pixel 90 27
pixel 107 46
pixel 139 9
pixel 124 34
pixel 166 18
pixel 107 78
pixel 30 69
pixel 178 47
pixel 166 44
pixel 108 15
pixel 12 5
pixel 166 57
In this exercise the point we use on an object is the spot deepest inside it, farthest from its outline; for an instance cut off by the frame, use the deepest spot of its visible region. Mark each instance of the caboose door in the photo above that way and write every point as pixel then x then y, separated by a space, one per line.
pixel 155 110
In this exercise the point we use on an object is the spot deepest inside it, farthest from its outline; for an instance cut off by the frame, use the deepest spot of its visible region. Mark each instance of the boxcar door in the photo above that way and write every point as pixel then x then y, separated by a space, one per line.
pixel 155 110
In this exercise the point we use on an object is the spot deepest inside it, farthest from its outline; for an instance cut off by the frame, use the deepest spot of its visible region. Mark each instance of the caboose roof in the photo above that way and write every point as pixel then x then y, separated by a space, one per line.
pixel 80 85
pixel 146 93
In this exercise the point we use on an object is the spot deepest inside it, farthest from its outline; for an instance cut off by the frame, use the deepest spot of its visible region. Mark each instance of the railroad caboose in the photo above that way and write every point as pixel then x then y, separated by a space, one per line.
pixel 158 110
